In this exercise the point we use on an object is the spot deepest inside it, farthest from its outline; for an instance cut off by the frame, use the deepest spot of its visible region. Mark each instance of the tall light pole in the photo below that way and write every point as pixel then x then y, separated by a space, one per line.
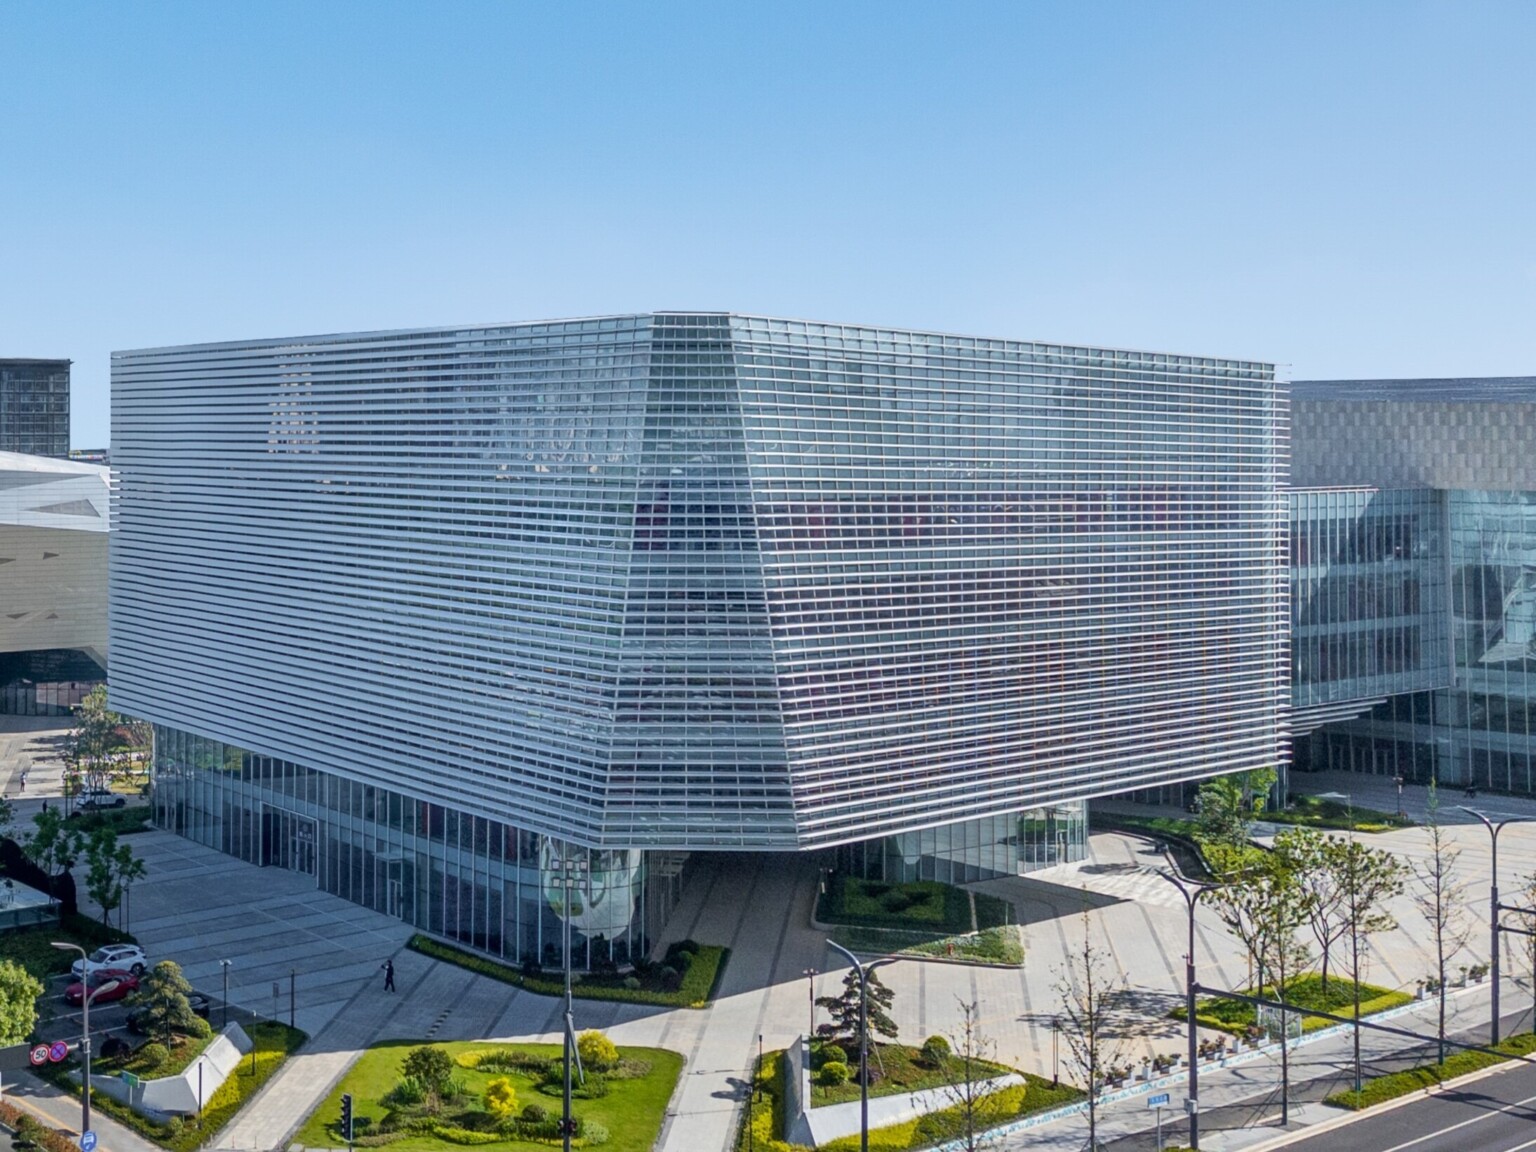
pixel 863 971
pixel 224 964
pixel 810 979
pixel 1494 828
pixel 85 1031
pixel 571 865
pixel 1192 891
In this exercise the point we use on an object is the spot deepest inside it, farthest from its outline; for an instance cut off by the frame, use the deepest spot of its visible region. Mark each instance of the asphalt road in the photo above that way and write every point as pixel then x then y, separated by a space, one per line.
pixel 1494 1114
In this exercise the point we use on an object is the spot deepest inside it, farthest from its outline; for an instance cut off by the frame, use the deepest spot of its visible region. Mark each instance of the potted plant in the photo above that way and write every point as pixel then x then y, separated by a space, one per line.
pixel 1478 972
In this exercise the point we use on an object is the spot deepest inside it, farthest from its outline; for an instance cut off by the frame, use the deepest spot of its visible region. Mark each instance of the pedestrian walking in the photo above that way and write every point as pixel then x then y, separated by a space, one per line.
pixel 389 975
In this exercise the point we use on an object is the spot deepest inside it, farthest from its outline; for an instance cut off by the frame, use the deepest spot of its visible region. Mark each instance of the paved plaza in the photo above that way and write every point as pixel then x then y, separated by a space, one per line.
pixel 200 907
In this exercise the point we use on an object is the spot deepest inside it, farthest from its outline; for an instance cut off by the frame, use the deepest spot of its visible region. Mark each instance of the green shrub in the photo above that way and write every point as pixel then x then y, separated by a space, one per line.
pixel 935 1050
pixel 534 1114
pixel 409 1092
pixel 833 1073
pixel 597 1052
pixel 632 983
pixel 828 1053
pixel 152 1055
pixel 431 1066
pixel 592 1132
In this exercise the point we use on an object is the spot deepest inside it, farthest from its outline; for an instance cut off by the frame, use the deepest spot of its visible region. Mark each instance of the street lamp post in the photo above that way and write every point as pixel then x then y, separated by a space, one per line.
pixel 1494 828
pixel 1192 892
pixel 1055 1053
pixel 863 971
pixel 810 979
pixel 85 1031
pixel 1398 780
pixel 571 866
pixel 224 964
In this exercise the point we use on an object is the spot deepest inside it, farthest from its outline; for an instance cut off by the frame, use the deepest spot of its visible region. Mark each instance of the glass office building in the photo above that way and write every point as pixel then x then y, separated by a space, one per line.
pixel 34 407
pixel 1450 693
pixel 674 582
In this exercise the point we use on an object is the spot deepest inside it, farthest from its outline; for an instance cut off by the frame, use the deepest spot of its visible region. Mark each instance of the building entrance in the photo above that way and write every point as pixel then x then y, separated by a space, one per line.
pixel 287 841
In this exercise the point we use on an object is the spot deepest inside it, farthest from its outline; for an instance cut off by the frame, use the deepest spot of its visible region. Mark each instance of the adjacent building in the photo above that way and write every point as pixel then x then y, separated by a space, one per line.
pixel 413 611
pixel 34 407
pixel 54 522
pixel 1414 561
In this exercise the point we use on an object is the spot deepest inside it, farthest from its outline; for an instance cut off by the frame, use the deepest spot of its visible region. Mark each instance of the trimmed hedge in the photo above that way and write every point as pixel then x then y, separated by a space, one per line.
pixel 699 979
pixel 1390 1087
pixel 1235 1016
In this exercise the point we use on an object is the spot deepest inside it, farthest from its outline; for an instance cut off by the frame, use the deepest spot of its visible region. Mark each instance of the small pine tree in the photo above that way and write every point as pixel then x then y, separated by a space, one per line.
pixel 162 996
pixel 844 1011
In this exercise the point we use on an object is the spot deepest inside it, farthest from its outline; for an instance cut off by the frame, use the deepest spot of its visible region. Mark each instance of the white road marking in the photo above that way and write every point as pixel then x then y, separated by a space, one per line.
pixel 1463 1124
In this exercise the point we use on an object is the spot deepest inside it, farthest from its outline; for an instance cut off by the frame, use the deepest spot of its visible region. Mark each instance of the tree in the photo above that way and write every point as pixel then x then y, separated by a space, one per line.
pixel 1088 987
pixel 1313 856
pixel 19 991
pixel 844 1011
pixel 52 844
pixel 1526 919
pixel 1368 878
pixel 501 1099
pixel 1441 896
pixel 431 1067
pixel 1220 812
pixel 971 1111
pixel 7 814
pixel 109 866
pixel 162 997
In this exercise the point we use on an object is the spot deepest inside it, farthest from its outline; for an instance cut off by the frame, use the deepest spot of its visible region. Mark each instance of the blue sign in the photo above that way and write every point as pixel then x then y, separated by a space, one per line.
pixel 1158 1101
pixel 87 1141
pixel 57 1051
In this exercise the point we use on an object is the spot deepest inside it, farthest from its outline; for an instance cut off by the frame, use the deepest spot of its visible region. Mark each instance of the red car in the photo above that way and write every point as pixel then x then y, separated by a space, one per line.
pixel 106 984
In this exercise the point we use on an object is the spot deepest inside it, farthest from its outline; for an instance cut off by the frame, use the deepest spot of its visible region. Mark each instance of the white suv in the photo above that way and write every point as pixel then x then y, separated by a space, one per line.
pixel 129 956
pixel 99 798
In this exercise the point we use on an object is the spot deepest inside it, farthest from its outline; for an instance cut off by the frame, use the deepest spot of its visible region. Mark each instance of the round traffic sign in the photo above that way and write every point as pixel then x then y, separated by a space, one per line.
pixel 57 1051
pixel 87 1141
pixel 39 1055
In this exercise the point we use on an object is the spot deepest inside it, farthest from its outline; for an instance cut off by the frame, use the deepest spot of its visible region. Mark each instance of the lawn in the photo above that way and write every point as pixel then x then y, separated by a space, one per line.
pixel 763 1126
pixel 1396 1084
pixel 999 946
pixel 1315 813
pixel 692 983
pixel 629 1103
pixel 1236 1016
pixel 273 1042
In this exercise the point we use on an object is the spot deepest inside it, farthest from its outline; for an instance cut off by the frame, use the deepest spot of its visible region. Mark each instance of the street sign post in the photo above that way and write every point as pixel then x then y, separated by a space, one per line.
pixel 1158 1103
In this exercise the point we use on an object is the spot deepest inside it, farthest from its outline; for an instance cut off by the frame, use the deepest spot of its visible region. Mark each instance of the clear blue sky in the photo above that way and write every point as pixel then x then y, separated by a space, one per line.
pixel 1346 188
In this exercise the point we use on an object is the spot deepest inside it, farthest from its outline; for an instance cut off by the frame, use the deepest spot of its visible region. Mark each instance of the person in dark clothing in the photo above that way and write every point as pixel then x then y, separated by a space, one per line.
pixel 389 975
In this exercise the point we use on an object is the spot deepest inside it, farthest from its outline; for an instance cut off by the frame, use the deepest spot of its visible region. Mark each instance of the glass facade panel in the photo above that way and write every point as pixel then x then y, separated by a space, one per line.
pixel 34 407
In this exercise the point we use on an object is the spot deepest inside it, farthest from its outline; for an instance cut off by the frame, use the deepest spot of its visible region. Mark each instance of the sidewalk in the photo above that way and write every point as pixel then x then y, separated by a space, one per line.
pixel 50 1107
pixel 1240 1103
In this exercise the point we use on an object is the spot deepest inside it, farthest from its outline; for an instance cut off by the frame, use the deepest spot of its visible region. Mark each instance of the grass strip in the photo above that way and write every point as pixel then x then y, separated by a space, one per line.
pixel 700 979
pixel 989 946
pixel 1395 1084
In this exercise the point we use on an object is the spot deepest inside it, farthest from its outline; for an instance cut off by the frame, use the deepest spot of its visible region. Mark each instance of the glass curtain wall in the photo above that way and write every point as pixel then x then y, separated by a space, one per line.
pixel 974 850
pixel 478 881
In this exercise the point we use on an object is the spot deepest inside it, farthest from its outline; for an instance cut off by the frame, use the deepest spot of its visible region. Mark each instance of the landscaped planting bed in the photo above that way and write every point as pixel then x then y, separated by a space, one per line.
pixel 273 1042
pixel 894 1069
pixel 989 946
pixel 917 905
pixel 674 983
pixel 1237 1016
pixel 762 1129
pixel 621 1107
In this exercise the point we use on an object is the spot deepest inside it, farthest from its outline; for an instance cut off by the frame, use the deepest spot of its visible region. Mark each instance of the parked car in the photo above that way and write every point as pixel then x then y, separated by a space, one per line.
pixel 106 985
pixel 138 1023
pixel 129 956
pixel 97 798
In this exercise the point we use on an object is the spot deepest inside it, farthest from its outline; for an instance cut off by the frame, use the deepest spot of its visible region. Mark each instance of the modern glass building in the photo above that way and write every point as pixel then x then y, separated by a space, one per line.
pixel 34 407
pixel 1451 615
pixel 410 609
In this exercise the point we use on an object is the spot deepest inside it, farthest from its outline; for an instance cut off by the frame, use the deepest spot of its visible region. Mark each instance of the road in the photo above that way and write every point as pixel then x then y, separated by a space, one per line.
pixel 1494 1114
